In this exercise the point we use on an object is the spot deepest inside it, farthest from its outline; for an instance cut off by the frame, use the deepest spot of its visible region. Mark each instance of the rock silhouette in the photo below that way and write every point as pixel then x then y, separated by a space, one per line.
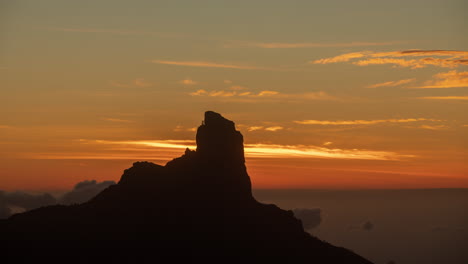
pixel 198 207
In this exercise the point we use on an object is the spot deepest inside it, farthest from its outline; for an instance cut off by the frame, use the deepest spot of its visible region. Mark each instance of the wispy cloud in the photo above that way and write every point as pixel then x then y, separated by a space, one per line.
pixel 222 93
pixel 5 127
pixel 451 79
pixel 362 122
pixel 180 128
pixel 274 128
pixel 464 97
pixel 188 82
pixel 283 45
pixel 301 151
pixel 117 120
pixel 199 92
pixel 436 127
pixel 391 83
pixel 270 95
pixel 255 128
pixel 162 149
pixel 340 58
pixel 450 58
pixel 263 128
pixel 207 64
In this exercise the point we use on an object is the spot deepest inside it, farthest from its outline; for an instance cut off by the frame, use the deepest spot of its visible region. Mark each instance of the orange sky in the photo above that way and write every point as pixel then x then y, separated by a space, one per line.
pixel 374 98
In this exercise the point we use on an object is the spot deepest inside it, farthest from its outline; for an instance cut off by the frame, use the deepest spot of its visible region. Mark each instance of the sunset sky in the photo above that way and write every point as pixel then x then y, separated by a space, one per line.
pixel 328 94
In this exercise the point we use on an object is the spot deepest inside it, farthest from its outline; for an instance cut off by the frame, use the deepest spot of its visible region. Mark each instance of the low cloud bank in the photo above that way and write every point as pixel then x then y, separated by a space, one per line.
pixel 18 201
pixel 311 218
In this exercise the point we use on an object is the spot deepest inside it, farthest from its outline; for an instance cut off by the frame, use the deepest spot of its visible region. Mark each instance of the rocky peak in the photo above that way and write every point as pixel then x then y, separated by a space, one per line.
pixel 219 141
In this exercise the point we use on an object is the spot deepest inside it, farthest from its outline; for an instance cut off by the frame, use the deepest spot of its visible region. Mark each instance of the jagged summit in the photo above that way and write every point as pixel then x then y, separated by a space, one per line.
pixel 197 208
pixel 218 161
pixel 219 141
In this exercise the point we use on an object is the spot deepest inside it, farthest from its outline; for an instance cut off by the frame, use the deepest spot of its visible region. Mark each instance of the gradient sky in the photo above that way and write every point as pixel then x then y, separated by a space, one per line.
pixel 328 94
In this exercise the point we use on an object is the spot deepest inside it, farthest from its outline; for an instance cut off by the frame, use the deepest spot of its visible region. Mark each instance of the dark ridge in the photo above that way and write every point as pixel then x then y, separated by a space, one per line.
pixel 198 208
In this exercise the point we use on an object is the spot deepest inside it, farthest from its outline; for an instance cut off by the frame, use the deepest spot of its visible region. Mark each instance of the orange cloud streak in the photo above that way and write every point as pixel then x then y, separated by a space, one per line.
pixel 451 79
pixel 251 150
pixel 445 97
pixel 361 122
pixel 455 58
pixel 391 83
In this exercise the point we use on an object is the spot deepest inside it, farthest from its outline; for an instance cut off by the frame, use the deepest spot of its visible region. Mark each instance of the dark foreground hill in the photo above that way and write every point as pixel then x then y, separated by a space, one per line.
pixel 197 208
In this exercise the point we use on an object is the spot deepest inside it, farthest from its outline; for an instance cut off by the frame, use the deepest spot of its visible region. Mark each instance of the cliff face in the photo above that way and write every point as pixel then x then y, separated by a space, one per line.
pixel 198 207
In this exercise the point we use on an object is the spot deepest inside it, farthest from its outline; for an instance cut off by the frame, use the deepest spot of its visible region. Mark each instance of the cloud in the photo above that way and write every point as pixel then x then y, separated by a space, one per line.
pixel 362 122
pixel 222 93
pixel 391 83
pixel 84 191
pixel 182 129
pixel 451 58
pixel 5 127
pixel 22 201
pixel 5 211
pixel 227 81
pixel 340 58
pixel 445 97
pixel 117 120
pixel 280 45
pixel 188 82
pixel 165 149
pixel 199 92
pixel 429 127
pixel 304 151
pixel 310 218
pixel 207 64
pixel 451 79
pixel 255 128
pixel 29 201
pixel 267 94
pixel 274 128
pixel 258 128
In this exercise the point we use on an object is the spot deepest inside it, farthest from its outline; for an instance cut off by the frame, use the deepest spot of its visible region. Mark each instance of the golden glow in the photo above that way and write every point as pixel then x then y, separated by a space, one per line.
pixel 449 79
pixel 274 128
pixel 445 97
pixel 362 122
pixel 131 79
pixel 188 82
pixel 455 58
pixel 340 58
pixel 263 95
pixel 391 83
pixel 251 151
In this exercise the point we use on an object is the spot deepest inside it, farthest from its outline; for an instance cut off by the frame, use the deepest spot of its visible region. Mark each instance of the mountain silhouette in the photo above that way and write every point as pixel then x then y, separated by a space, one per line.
pixel 198 207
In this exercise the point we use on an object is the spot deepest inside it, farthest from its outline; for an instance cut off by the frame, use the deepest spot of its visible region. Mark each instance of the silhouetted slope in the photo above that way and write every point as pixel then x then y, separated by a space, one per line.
pixel 197 207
